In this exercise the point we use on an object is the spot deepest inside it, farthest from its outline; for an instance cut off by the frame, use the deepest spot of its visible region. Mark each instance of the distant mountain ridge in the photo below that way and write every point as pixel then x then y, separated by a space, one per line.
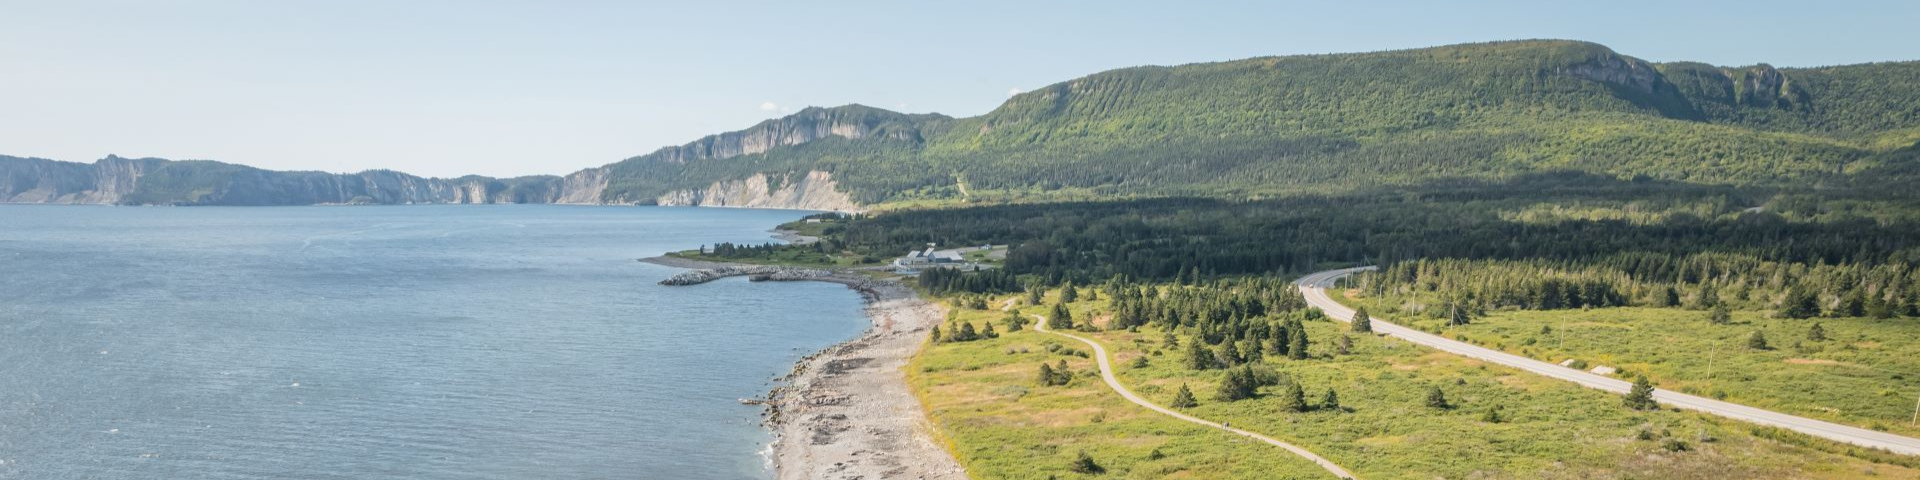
pixel 1259 126
pixel 152 181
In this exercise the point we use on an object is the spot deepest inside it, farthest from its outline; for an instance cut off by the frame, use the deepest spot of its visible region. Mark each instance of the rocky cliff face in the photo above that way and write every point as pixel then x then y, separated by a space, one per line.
pixel 814 123
pixel 39 180
pixel 1763 85
pixel 814 191
pixel 1621 70
pixel 122 181
pixel 583 187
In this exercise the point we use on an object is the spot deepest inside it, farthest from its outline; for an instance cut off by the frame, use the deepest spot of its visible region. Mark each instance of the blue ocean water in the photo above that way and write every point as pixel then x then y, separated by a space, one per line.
pixel 432 342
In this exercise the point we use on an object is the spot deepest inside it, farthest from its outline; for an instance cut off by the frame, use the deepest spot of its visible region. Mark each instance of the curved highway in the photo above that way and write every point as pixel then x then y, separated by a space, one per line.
pixel 1314 287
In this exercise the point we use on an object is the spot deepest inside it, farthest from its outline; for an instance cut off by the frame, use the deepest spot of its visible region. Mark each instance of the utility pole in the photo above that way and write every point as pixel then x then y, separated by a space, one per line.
pixel 1711 352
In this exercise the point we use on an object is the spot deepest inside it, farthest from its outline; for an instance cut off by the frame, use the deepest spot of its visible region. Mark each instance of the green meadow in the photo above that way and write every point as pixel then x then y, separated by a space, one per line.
pixel 999 420
pixel 1861 371
pixel 1001 423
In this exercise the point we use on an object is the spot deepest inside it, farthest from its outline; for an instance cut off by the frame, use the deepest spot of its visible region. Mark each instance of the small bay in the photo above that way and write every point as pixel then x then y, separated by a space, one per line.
pixel 432 342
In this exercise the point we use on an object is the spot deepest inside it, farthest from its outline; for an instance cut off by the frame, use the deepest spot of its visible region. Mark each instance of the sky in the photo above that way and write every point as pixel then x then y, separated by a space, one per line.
pixel 505 88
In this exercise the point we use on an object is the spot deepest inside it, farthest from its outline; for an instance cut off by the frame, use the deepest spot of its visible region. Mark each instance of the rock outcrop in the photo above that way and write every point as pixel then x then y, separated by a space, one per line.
pixel 1624 71
pixel 757 272
pixel 814 191
pixel 814 123
pixel 584 187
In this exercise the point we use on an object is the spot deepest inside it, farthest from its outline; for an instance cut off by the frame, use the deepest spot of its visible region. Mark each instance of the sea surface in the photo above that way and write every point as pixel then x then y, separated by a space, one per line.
pixel 428 342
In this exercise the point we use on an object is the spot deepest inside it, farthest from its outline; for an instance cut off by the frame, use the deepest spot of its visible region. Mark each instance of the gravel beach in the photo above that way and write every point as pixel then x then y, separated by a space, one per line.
pixel 845 413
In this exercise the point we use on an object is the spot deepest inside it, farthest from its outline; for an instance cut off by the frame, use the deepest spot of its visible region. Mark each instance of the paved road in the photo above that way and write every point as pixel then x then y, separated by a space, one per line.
pixel 1314 287
pixel 1106 373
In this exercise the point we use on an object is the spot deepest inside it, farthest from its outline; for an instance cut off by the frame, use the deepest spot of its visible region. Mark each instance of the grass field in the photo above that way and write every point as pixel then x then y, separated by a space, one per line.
pixel 1002 424
pixel 1865 373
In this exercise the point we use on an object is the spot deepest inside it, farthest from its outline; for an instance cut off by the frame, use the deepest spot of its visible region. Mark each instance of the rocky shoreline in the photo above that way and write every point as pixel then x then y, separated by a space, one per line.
pixel 758 273
pixel 846 413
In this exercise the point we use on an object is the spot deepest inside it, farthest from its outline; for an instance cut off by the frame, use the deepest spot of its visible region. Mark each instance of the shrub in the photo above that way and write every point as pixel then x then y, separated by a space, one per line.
pixel 1437 399
pixel 1085 464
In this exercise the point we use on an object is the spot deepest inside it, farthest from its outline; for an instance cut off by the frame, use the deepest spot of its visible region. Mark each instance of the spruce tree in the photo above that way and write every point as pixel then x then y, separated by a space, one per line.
pixel 1879 308
pixel 1757 341
pixel 1297 345
pixel 1853 306
pixel 1229 388
pixel 1085 464
pixel 1817 332
pixel 1250 352
pixel 988 331
pixel 1170 341
pixel 1361 322
pixel 1295 398
pixel 1330 402
pixel 1238 384
pixel 967 334
pixel 1198 357
pixel 1046 377
pixel 1061 319
pixel 1068 294
pixel 1280 335
pixel 1801 303
pixel 1345 346
pixel 1184 399
pixel 1230 354
pixel 1670 298
pixel 936 338
pixel 1720 315
pixel 1437 398
pixel 1641 396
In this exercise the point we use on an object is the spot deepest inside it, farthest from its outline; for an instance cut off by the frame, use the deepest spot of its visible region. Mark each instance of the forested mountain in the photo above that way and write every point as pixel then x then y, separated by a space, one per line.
pixel 1322 122
pixel 1310 123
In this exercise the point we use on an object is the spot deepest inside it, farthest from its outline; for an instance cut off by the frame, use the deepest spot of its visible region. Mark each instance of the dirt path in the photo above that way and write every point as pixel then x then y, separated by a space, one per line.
pixel 1106 373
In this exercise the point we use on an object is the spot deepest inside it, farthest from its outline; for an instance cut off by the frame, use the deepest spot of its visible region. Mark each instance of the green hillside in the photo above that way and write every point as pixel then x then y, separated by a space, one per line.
pixel 1322 122
pixel 1460 114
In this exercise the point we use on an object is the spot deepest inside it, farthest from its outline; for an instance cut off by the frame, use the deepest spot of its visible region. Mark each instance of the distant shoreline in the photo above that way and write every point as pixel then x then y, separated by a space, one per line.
pixel 846 411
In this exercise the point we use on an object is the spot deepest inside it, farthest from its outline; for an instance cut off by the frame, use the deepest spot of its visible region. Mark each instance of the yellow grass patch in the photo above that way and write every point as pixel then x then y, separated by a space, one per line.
pixel 1382 441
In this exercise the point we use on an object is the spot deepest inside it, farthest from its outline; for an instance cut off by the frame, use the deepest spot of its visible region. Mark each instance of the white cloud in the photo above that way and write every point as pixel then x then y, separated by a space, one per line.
pixel 1015 91
pixel 769 106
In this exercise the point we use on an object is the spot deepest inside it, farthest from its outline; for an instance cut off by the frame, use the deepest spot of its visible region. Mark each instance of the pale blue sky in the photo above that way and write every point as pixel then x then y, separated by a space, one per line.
pixel 444 87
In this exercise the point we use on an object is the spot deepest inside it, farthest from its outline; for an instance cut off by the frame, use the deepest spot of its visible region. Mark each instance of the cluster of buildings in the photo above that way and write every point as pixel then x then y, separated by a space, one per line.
pixel 928 258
